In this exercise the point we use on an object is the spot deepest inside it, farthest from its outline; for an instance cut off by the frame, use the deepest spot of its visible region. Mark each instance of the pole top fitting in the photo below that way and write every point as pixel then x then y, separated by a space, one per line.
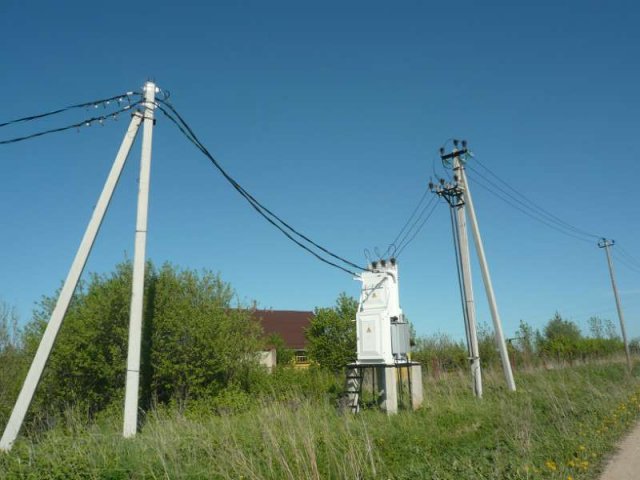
pixel 150 86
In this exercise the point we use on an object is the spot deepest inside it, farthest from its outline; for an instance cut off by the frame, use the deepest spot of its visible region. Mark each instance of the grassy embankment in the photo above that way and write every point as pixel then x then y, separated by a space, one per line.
pixel 560 424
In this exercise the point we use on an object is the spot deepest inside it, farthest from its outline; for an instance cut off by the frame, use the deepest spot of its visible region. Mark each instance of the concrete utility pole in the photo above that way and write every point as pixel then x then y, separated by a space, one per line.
pixel 135 320
pixel 453 193
pixel 488 285
pixel 467 287
pixel 606 244
pixel 46 344
pixel 459 198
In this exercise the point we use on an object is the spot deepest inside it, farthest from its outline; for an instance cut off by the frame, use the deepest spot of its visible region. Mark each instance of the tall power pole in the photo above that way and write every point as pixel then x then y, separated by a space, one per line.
pixel 62 304
pixel 64 298
pixel 607 244
pixel 135 314
pixel 488 285
pixel 453 193
pixel 459 197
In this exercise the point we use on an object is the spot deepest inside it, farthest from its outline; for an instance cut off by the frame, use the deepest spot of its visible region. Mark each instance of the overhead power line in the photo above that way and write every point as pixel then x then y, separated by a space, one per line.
pixel 94 103
pixel 84 123
pixel 624 262
pixel 529 204
pixel 394 244
pixel 628 257
pixel 275 220
pixel 519 201
pixel 537 217
pixel 418 225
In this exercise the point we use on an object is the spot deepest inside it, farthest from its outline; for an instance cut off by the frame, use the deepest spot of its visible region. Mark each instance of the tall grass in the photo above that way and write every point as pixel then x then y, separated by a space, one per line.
pixel 559 424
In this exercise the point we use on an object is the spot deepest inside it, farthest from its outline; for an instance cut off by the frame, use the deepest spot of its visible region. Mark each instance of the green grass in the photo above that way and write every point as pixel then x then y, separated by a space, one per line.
pixel 560 424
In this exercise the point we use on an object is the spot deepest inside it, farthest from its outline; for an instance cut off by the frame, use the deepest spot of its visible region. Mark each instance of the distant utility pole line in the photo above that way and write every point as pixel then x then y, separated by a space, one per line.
pixel 607 244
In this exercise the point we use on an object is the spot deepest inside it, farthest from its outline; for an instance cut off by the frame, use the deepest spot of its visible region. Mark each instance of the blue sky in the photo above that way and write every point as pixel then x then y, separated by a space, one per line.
pixel 332 115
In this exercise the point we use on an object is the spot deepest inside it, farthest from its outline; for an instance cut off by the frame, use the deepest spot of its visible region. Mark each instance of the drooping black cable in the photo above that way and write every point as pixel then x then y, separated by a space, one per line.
pixel 417 230
pixel 247 194
pixel 529 203
pixel 529 213
pixel 103 101
pixel 261 209
pixel 86 122
pixel 256 205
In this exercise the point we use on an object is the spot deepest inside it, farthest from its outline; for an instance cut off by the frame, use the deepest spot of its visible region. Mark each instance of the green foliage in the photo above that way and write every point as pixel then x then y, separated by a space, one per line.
pixel 332 334
pixel 13 361
pixel 525 343
pixel 563 340
pixel 199 344
pixel 487 347
pixel 195 343
pixel 558 328
pixel 284 355
pixel 439 352
pixel 559 424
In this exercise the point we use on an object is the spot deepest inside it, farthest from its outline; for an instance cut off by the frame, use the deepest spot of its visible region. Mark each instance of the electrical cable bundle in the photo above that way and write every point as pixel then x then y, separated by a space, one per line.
pixel 403 240
pixel 285 228
pixel 105 102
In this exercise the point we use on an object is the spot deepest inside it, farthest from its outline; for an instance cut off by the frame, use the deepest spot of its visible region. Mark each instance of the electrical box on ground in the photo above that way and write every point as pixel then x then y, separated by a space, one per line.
pixel 382 331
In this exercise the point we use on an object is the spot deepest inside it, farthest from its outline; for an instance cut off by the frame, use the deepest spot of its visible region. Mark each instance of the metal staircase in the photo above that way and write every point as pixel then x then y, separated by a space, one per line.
pixel 353 390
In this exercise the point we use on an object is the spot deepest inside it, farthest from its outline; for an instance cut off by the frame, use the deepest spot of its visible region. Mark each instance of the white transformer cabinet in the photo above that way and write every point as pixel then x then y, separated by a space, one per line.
pixel 383 333
pixel 383 343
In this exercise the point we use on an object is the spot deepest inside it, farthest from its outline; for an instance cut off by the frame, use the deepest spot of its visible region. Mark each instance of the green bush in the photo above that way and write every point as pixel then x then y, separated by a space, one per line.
pixel 195 341
pixel 332 334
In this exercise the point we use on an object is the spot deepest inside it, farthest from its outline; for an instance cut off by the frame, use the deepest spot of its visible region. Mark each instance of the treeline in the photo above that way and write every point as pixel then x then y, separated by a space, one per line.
pixel 560 341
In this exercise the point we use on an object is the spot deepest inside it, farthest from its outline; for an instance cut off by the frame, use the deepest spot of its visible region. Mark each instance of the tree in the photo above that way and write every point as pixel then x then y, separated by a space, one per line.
pixel 561 338
pixel 526 338
pixel 487 345
pixel 558 328
pixel 611 330
pixel 12 360
pixel 596 327
pixel 284 355
pixel 195 342
pixel 332 334
pixel 200 343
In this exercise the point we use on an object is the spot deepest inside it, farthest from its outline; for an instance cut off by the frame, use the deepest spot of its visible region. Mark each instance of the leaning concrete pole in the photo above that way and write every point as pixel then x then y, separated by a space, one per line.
pixel 137 292
pixel 606 244
pixel 467 286
pixel 488 285
pixel 46 344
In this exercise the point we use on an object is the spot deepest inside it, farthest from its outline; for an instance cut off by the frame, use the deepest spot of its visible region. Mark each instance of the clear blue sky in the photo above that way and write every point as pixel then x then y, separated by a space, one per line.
pixel 332 115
